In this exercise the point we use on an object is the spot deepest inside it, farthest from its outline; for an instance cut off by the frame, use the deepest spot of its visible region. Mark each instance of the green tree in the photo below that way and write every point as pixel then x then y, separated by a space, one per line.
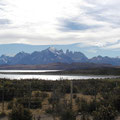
pixel 105 113
pixel 20 113
pixel 68 115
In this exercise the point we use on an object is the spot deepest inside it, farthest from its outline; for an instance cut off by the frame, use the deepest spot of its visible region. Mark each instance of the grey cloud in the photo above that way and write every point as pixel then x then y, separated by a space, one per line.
pixel 2 6
pixel 114 45
pixel 4 21
pixel 107 12
pixel 89 34
pixel 36 39
pixel 72 25
pixel 23 38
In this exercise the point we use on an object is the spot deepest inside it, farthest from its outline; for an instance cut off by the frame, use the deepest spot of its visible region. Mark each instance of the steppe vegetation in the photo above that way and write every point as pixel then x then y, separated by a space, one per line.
pixel 60 100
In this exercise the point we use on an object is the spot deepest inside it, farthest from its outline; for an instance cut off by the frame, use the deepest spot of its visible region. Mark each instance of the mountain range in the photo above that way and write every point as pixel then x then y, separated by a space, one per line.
pixel 52 55
pixel 89 51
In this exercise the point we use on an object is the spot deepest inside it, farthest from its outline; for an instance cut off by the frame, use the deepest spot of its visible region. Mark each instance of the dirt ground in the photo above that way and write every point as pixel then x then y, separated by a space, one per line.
pixel 47 117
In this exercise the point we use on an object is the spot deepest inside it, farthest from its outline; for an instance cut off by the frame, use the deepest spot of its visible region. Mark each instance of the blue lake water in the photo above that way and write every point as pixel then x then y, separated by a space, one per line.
pixel 12 74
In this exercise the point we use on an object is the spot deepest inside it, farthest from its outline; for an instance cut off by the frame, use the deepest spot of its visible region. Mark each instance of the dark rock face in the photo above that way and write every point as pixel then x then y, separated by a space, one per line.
pixel 77 56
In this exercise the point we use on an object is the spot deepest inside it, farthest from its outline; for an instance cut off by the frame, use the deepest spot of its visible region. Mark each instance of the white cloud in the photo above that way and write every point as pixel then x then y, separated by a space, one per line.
pixel 40 21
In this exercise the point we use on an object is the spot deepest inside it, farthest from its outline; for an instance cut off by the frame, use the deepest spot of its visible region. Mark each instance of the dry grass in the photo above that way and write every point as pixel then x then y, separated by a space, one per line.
pixel 46 105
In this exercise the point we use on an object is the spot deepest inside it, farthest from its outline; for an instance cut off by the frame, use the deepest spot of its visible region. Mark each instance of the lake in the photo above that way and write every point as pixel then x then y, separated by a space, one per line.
pixel 22 74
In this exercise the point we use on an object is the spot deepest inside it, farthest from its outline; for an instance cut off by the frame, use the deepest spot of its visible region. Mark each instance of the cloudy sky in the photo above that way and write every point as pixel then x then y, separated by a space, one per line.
pixel 93 23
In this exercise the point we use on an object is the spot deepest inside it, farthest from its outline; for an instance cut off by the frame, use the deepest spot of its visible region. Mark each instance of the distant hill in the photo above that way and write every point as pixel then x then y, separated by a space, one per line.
pixel 66 68
pixel 105 60
pixel 56 66
pixel 52 55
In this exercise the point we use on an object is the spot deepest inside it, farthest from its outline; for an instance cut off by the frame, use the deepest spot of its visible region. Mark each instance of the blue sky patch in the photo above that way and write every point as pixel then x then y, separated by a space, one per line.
pixel 74 26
